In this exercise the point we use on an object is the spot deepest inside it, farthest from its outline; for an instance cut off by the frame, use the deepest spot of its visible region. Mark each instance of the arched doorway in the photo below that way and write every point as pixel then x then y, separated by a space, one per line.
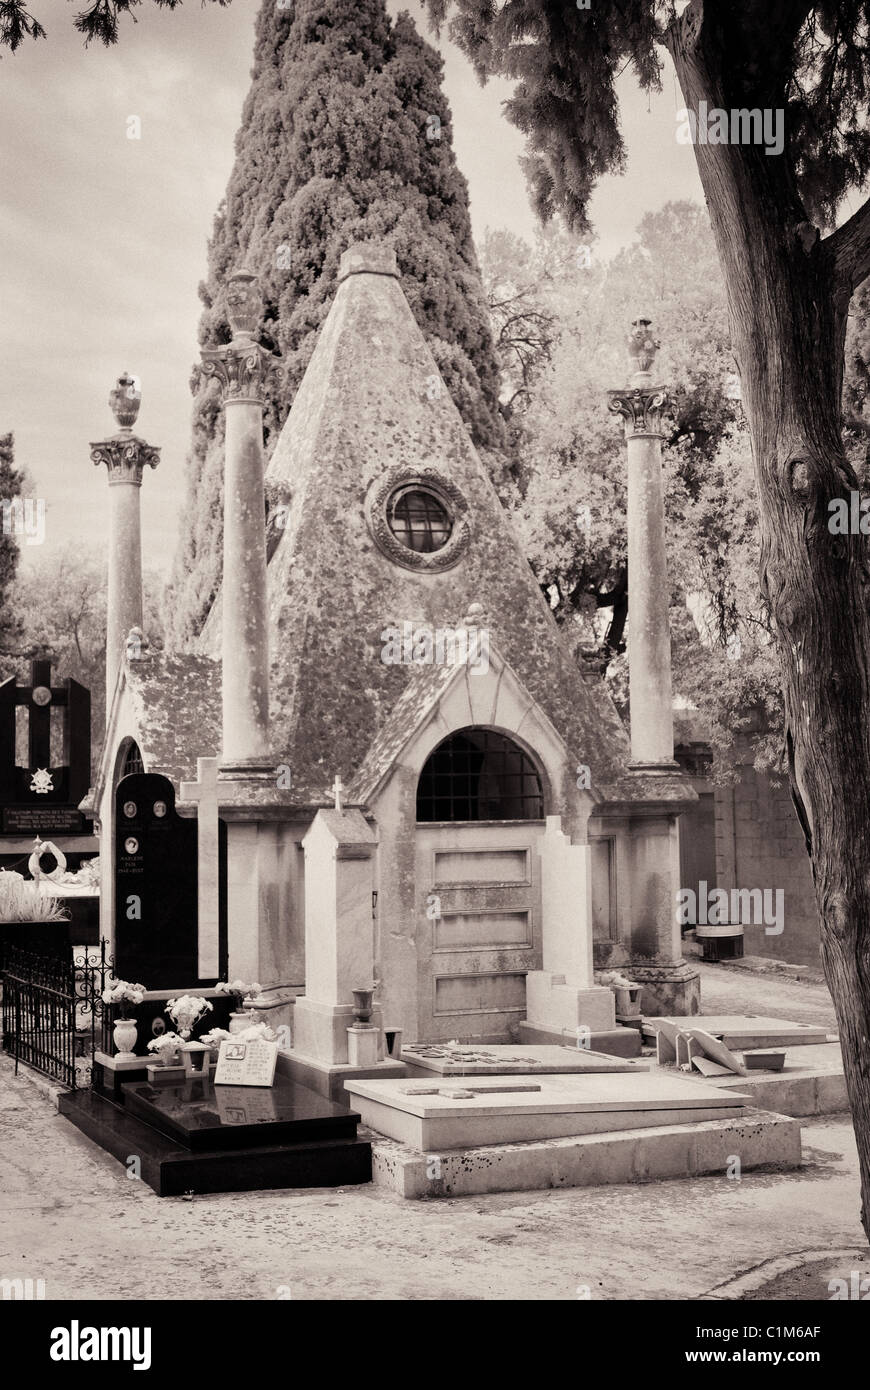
pixel 480 815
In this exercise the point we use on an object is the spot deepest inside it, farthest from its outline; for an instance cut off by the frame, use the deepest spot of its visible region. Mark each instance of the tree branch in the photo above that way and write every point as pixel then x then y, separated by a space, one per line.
pixel 850 247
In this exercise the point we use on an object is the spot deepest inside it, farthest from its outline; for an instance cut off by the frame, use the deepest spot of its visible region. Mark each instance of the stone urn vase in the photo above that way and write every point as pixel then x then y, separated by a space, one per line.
pixel 642 345
pixel 242 1019
pixel 362 1005
pixel 125 1033
pixel 244 304
pixel 124 400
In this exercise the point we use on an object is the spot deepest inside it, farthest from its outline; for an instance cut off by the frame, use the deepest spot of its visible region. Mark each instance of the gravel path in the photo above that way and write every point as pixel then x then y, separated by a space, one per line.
pixel 71 1216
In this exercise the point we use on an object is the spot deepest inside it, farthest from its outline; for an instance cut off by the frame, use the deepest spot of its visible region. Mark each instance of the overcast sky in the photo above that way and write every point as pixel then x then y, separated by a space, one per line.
pixel 103 238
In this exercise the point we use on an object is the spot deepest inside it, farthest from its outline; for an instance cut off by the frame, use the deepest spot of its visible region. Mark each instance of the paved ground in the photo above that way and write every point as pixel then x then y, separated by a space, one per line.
pixel 729 989
pixel 69 1215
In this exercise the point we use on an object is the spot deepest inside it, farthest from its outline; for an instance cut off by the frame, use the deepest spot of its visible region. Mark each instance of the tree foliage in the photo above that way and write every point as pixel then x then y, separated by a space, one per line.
pixel 569 312
pixel 565 62
pixel 345 136
pixel 10 486
pixel 806 64
pixel 96 21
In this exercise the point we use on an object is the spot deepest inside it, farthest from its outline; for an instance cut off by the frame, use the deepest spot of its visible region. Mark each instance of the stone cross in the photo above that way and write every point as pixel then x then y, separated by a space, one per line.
pixel 204 792
pixel 337 789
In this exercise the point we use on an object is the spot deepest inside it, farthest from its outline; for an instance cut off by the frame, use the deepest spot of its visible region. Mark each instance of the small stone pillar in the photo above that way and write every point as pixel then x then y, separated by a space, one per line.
pixel 563 1002
pixel 242 368
pixel 649 638
pixel 339 935
pixel 125 455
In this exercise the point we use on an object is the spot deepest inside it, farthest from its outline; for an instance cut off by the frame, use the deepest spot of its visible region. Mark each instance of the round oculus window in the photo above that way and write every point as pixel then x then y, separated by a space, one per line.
pixel 419 519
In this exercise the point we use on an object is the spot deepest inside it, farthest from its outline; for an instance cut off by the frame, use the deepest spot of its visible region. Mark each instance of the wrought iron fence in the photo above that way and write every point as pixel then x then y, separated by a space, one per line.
pixel 53 1013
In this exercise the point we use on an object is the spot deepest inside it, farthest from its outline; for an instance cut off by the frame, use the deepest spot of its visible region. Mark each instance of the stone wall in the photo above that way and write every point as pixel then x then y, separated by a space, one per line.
pixel 759 844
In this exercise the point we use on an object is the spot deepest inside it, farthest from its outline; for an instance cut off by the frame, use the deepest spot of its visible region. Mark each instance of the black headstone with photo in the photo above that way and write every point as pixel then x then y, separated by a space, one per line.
pixel 156 895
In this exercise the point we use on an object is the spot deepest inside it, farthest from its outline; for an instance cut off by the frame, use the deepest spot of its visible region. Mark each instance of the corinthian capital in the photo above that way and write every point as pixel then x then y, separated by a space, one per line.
pixel 125 456
pixel 242 368
pixel 640 407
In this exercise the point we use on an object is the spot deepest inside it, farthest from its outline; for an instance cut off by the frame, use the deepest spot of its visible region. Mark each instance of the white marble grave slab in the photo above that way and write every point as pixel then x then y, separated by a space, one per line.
pixel 483 1111
pixel 494 1059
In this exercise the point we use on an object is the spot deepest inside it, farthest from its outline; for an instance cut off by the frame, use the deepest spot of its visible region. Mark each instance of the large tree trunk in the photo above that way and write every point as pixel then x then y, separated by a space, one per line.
pixel 788 298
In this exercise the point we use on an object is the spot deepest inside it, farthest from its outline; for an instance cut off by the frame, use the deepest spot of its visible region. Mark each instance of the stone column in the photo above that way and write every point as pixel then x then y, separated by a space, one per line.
pixel 242 368
pixel 125 455
pixel 670 984
pixel 649 640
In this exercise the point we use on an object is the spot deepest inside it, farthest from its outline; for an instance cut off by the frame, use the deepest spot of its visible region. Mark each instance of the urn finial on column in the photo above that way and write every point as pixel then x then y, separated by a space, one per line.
pixel 125 398
pixel 640 403
pixel 125 456
pixel 642 346
pixel 244 304
pixel 649 649
pixel 243 366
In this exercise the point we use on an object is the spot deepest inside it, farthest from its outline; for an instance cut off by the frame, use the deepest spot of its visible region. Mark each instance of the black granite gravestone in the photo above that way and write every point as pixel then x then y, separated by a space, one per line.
pixel 156 888
pixel 41 799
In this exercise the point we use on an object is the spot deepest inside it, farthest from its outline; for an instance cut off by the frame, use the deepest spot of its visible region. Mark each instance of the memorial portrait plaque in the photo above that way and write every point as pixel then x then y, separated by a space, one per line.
pixel 246 1063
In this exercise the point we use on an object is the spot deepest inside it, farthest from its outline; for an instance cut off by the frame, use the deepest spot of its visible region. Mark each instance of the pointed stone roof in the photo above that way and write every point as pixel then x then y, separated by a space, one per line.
pixel 371 415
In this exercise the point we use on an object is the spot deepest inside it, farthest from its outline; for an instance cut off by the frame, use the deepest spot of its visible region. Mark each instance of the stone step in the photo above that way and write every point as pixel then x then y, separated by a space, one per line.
pixel 760 1139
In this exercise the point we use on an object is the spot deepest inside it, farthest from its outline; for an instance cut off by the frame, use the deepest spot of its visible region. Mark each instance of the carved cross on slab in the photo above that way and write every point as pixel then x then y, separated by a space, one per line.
pixel 204 792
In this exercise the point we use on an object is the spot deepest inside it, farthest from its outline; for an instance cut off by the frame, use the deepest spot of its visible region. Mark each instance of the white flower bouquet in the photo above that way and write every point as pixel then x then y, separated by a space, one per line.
pixel 256 1033
pixel 186 1012
pixel 123 995
pixel 165 1045
pixel 240 988
pixel 213 1039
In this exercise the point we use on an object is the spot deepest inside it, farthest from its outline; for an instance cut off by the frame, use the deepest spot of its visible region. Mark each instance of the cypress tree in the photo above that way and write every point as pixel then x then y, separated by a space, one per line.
pixel 10 486
pixel 345 136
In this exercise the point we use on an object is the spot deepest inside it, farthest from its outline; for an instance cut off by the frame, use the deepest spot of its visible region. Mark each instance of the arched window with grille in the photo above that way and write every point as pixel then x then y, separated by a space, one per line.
pixel 479 774
pixel 132 760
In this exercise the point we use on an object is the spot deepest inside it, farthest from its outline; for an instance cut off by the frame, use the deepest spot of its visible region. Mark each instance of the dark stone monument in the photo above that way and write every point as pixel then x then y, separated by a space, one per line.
pixel 156 909
pixel 41 799
pixel 194 1136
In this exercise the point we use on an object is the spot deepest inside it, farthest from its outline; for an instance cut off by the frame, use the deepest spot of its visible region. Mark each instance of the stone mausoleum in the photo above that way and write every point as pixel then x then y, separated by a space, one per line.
pixel 384 763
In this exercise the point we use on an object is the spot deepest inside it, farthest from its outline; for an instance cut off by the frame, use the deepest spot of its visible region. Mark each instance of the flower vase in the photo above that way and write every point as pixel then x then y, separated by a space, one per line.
pixel 362 1006
pixel 125 1033
pixel 240 1020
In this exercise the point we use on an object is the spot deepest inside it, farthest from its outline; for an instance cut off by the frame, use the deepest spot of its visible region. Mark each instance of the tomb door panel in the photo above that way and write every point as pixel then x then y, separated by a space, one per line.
pixel 479 886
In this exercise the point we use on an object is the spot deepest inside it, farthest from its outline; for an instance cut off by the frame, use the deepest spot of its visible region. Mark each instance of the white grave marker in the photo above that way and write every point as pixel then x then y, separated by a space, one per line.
pixel 204 792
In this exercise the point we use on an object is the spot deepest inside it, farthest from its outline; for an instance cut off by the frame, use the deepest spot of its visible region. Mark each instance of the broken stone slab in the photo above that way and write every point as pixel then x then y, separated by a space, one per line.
pixel 740 1031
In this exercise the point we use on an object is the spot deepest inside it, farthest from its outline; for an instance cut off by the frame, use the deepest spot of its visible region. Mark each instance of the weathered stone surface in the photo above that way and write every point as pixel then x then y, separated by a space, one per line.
pixel 372 408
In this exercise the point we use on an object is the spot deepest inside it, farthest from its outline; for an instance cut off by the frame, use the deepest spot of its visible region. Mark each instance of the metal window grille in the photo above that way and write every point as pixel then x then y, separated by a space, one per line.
pixel 419 520
pixel 133 761
pixel 477 774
